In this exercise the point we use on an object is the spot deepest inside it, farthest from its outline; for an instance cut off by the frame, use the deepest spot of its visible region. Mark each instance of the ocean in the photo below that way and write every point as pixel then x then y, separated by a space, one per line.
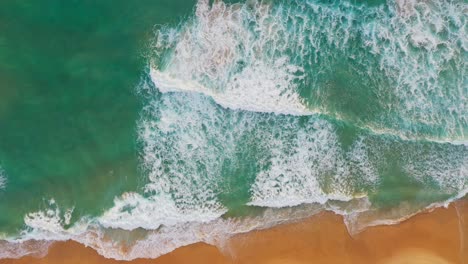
pixel 139 127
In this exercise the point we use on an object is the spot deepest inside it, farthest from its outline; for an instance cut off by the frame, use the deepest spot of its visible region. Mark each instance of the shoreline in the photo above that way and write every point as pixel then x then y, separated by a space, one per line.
pixel 438 235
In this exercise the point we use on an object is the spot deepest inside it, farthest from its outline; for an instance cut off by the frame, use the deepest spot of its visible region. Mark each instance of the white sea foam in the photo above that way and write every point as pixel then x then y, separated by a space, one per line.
pixel 265 97
pixel 223 53
pixel 233 63
pixel 183 154
pixel 440 168
pixel 298 161
pixel 358 221
pixel 36 248
pixel 189 142
pixel 435 29
pixel 361 166
pixel 3 180
pixel 132 211
pixel 246 57
pixel 247 102
pixel 298 166
pixel 154 243
pixel 48 226
pixel 51 222
pixel 255 57
pixel 215 232
pixel 447 168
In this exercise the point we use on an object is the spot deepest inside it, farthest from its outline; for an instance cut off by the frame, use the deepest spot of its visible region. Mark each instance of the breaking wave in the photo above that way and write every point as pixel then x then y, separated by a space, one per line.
pixel 290 108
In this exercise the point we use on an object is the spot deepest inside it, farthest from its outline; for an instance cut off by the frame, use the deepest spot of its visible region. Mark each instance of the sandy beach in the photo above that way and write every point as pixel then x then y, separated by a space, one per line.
pixel 439 236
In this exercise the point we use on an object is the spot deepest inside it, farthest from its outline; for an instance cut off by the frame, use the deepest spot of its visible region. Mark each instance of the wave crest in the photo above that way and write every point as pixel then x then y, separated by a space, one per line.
pixel 386 67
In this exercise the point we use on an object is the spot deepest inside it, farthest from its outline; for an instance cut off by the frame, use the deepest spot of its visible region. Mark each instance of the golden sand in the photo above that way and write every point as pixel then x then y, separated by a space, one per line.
pixel 437 237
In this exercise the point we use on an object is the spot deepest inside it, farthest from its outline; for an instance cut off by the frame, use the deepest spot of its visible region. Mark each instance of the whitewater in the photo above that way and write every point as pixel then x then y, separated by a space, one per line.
pixel 2 179
pixel 262 113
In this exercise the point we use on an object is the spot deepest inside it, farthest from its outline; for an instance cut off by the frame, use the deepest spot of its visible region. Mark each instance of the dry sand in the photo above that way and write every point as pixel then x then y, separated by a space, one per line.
pixel 440 236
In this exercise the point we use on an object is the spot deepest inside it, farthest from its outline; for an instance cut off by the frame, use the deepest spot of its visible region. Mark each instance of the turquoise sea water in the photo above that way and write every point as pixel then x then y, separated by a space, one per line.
pixel 152 125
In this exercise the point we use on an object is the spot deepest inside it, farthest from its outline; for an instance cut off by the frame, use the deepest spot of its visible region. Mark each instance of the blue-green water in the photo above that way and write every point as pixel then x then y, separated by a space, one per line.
pixel 152 125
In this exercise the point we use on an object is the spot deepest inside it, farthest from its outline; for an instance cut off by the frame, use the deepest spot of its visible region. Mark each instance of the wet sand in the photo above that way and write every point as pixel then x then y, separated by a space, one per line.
pixel 440 236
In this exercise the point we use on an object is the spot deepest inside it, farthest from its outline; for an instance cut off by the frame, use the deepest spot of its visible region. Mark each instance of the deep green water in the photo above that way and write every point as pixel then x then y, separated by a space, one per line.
pixel 142 120
pixel 68 107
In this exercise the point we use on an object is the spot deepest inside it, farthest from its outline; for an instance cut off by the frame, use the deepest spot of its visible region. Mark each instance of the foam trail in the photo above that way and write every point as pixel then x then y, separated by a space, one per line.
pixel 286 160
pixel 154 243
pixel 32 248
pixel 132 211
pixel 233 63
pixel 296 166
pixel 357 222
pixel 46 226
pixel 288 57
pixel 249 102
pixel 265 98
pixel 3 180
pixel 229 119
pixel 297 159
pixel 449 170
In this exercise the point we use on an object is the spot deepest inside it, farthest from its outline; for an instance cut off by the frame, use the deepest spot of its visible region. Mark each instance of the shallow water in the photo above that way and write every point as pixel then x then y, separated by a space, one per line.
pixel 68 104
pixel 170 122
